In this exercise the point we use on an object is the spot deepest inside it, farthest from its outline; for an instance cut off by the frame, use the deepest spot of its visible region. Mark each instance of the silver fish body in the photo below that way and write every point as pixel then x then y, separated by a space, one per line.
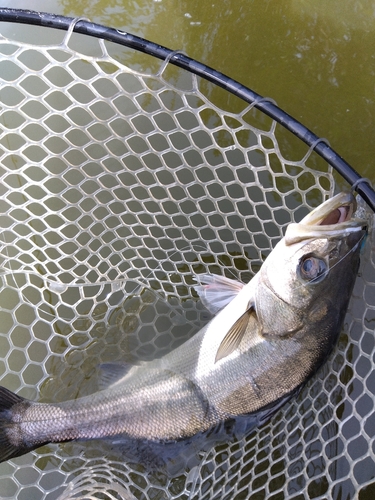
pixel 261 347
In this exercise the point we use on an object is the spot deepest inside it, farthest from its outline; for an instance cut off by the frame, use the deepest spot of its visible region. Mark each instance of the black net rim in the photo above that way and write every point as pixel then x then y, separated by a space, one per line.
pixel 179 59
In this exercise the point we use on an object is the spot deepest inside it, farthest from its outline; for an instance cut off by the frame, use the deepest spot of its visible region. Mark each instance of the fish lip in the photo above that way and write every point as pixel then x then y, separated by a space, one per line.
pixel 311 225
pixel 319 213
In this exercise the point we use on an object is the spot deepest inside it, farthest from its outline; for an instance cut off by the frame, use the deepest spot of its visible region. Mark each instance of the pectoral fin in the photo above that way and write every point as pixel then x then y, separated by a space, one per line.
pixel 216 291
pixel 234 336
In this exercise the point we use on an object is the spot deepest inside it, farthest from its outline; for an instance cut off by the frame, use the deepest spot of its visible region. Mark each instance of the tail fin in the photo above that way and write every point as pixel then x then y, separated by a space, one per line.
pixel 11 441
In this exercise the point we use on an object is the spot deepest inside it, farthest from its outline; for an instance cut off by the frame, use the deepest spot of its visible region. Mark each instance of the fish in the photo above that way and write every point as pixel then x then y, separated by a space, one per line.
pixel 266 339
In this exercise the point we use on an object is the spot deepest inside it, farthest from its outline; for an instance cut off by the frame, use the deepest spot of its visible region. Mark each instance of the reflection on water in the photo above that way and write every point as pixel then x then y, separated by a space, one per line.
pixel 315 59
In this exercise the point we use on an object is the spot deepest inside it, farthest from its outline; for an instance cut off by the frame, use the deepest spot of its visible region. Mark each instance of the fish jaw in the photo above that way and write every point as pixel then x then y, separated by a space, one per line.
pixel 341 200
pixel 333 218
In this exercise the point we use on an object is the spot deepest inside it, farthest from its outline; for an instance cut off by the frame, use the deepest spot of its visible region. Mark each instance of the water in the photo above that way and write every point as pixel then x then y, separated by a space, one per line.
pixel 315 59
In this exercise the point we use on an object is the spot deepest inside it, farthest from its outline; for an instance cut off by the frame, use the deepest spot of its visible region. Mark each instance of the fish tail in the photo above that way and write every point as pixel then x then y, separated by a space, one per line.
pixel 12 443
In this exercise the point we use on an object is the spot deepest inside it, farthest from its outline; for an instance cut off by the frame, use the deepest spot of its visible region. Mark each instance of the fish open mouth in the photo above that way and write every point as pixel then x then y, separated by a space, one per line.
pixel 338 215
pixel 332 218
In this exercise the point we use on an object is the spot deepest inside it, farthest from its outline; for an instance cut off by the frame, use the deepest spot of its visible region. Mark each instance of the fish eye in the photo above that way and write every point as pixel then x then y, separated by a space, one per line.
pixel 312 268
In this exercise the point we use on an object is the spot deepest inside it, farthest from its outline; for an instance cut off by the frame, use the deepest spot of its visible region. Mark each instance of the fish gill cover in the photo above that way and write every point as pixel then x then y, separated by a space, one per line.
pixel 123 178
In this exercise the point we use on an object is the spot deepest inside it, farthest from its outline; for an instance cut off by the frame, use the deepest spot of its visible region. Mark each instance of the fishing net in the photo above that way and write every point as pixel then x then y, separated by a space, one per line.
pixel 123 177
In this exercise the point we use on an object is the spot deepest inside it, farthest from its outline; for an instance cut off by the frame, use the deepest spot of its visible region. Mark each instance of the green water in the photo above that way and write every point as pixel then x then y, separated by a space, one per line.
pixel 314 57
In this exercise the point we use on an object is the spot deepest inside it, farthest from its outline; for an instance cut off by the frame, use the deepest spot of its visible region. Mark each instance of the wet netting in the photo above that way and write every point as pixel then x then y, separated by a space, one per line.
pixel 127 169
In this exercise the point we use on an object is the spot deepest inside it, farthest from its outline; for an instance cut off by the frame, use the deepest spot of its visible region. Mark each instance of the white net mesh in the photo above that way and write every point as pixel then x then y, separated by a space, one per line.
pixel 117 187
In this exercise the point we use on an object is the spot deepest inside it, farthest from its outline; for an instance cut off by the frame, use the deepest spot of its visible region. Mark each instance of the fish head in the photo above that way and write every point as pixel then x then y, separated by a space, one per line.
pixel 306 282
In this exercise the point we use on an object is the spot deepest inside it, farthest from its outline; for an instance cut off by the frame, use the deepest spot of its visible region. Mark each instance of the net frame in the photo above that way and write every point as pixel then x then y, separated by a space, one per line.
pixel 204 490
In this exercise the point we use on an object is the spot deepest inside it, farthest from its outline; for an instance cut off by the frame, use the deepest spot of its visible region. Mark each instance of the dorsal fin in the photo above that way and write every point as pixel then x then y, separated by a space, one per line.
pixel 234 336
pixel 216 291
